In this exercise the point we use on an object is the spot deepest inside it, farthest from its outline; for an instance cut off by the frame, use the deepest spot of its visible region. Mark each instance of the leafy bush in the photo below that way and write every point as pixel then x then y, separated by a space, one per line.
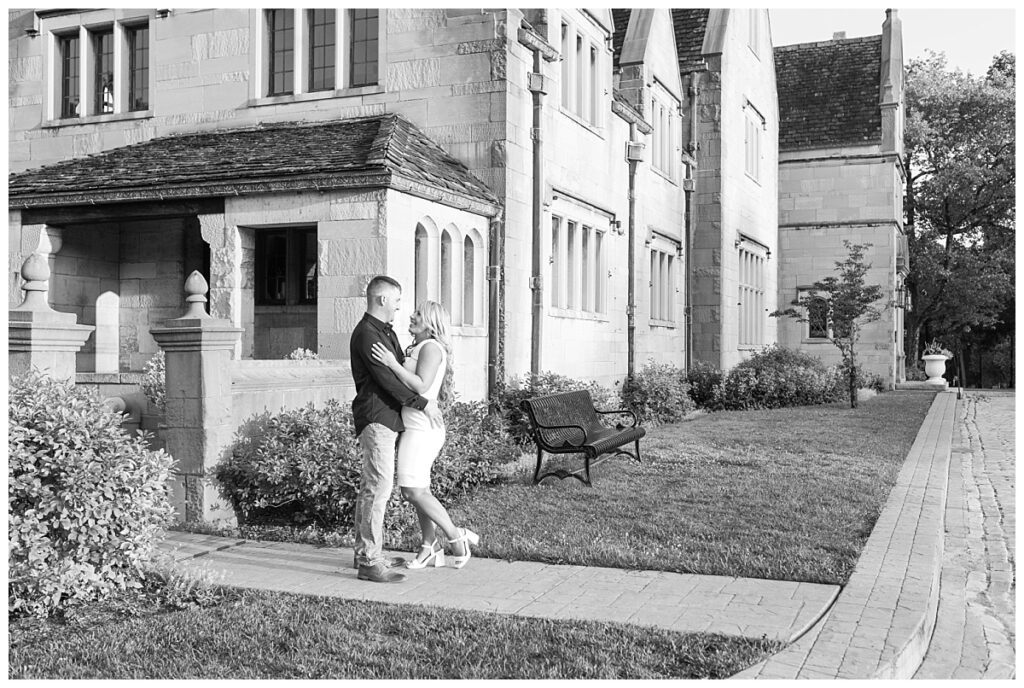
pixel 864 379
pixel 302 354
pixel 706 385
pixel 303 466
pixel 154 381
pixel 86 500
pixel 776 377
pixel 526 387
pixel 658 394
pixel 915 374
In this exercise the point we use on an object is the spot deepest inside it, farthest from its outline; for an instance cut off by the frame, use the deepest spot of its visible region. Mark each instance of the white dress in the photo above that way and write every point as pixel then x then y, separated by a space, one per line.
pixel 420 444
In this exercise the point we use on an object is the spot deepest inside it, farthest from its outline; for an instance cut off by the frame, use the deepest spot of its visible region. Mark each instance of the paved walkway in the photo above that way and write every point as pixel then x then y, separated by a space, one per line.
pixel 679 602
pixel 974 631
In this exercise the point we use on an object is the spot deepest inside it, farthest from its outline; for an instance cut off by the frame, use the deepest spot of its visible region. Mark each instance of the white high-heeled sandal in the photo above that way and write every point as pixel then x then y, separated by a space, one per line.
pixel 467 537
pixel 436 557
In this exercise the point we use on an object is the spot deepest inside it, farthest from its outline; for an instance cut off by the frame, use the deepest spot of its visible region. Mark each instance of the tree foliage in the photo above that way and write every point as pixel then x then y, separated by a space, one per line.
pixel 959 154
pixel 851 304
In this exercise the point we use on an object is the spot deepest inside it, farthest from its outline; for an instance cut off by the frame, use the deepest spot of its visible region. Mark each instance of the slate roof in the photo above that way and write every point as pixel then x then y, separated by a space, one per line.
pixel 690 25
pixel 383 150
pixel 620 18
pixel 829 93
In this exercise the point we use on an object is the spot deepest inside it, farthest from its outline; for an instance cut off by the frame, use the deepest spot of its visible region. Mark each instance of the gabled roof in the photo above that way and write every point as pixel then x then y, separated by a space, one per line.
pixel 690 26
pixel 383 150
pixel 829 93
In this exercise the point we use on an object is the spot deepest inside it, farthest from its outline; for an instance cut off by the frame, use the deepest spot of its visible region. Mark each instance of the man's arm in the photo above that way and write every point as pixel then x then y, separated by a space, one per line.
pixel 384 377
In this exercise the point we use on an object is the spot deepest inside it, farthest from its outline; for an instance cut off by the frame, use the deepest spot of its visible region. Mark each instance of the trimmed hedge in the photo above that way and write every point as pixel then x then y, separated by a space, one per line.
pixel 86 501
pixel 658 394
pixel 303 466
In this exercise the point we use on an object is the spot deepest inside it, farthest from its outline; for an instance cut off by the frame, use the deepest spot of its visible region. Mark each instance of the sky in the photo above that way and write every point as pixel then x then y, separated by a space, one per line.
pixel 968 37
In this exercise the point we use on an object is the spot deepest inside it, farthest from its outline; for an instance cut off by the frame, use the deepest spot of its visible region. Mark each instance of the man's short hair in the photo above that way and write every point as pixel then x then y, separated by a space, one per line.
pixel 380 284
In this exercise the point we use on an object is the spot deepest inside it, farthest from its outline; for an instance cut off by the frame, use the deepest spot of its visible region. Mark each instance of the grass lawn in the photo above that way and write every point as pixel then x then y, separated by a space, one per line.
pixel 789 494
pixel 255 635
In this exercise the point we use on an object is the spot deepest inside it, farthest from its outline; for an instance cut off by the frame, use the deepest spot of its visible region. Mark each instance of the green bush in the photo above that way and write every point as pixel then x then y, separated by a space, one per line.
pixel 915 374
pixel 658 394
pixel 303 466
pixel 86 500
pixel 864 379
pixel 776 377
pixel 526 387
pixel 154 385
pixel 706 385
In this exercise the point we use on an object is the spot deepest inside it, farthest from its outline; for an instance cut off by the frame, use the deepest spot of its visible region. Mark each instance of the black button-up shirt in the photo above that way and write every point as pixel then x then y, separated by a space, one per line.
pixel 380 395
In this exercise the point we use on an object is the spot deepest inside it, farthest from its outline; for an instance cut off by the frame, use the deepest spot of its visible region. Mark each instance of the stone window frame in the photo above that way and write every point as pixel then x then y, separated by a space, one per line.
pixel 86 24
pixel 754 128
pixel 665 118
pixel 579 260
pixel 448 282
pixel 663 276
pixel 295 255
pixel 754 33
pixel 301 87
pixel 751 297
pixel 584 94
pixel 808 335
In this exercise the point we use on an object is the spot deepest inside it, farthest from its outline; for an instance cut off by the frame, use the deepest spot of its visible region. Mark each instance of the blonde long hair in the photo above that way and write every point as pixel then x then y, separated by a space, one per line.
pixel 437 321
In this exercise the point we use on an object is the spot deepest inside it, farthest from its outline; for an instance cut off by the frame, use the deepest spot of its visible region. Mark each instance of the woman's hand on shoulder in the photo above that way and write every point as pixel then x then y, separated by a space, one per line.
pixel 382 354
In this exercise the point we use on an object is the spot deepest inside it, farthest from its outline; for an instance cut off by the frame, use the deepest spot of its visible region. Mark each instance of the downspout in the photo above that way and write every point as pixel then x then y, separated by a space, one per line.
pixel 494 262
pixel 537 84
pixel 690 227
pixel 632 157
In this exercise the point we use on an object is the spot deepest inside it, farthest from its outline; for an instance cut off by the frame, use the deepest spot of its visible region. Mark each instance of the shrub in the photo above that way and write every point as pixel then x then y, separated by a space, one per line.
pixel 527 387
pixel 915 374
pixel 86 500
pixel 776 377
pixel 864 380
pixel 302 354
pixel 303 466
pixel 658 394
pixel 154 381
pixel 706 385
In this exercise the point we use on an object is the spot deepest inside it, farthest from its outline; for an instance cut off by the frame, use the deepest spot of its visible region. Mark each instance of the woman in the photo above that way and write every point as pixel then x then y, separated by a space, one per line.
pixel 427 371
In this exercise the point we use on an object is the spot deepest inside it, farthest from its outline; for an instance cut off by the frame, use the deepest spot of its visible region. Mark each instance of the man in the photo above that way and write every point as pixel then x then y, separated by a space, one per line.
pixel 377 412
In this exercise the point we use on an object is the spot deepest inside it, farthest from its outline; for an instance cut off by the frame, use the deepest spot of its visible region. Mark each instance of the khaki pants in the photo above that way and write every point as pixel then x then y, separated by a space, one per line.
pixel 378 476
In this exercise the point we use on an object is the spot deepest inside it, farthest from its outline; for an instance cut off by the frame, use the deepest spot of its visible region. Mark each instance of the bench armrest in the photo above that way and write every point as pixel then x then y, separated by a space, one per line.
pixel 621 412
pixel 582 430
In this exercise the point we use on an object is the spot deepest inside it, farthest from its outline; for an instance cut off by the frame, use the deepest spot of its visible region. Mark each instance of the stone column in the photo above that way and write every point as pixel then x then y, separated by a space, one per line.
pixel 38 336
pixel 232 253
pixel 199 425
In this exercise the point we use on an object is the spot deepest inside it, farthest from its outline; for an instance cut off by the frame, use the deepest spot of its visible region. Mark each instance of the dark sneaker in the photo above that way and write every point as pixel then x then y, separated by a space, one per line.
pixel 393 562
pixel 380 574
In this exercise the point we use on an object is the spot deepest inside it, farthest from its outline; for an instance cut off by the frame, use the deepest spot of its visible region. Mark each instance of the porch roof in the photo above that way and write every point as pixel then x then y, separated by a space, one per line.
pixel 829 93
pixel 382 150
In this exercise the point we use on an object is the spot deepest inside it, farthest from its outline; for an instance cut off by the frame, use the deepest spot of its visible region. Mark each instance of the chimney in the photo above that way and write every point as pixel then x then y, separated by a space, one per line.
pixel 838 35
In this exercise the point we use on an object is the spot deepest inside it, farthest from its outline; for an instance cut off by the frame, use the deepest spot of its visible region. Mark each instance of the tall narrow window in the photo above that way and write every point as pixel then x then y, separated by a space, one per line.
pixel 363 54
pixel 103 72
pixel 70 77
pixel 595 90
pixel 817 318
pixel 752 142
pixel 468 282
pixel 754 30
pixel 566 70
pixel 586 270
pixel 751 298
pixel 422 265
pixel 322 32
pixel 581 82
pixel 599 280
pixel 281 50
pixel 557 261
pixel 138 67
pixel 446 272
pixel 573 272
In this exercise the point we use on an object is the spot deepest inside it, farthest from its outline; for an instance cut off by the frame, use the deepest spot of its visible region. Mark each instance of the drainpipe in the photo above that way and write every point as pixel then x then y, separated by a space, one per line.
pixel 494 262
pixel 633 155
pixel 537 83
pixel 691 217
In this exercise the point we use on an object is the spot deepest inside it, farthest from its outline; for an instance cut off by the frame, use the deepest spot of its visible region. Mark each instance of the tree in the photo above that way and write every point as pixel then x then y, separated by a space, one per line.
pixel 960 217
pixel 850 304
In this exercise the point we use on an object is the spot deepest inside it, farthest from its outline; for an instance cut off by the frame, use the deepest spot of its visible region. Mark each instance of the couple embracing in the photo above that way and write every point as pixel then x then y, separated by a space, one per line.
pixel 397 401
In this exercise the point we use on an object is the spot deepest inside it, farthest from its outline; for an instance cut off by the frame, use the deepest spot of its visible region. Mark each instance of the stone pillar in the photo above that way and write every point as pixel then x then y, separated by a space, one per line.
pixel 38 336
pixel 199 427
pixel 232 255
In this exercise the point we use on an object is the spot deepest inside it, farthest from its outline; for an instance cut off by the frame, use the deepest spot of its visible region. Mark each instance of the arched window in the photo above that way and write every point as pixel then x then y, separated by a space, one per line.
pixel 468 282
pixel 422 265
pixel 446 273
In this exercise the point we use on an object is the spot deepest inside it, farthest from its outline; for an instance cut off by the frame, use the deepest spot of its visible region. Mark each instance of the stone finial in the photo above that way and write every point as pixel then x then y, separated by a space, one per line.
pixel 196 287
pixel 36 273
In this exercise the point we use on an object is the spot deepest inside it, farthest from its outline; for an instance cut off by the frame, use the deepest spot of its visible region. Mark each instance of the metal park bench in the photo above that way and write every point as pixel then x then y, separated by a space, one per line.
pixel 567 423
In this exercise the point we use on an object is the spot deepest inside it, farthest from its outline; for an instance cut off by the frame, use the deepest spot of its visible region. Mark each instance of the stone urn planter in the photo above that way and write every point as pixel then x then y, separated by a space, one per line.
pixel 934 367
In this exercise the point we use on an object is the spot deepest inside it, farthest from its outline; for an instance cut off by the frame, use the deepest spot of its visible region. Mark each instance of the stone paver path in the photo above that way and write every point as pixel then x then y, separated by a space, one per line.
pixel 974 630
pixel 746 607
